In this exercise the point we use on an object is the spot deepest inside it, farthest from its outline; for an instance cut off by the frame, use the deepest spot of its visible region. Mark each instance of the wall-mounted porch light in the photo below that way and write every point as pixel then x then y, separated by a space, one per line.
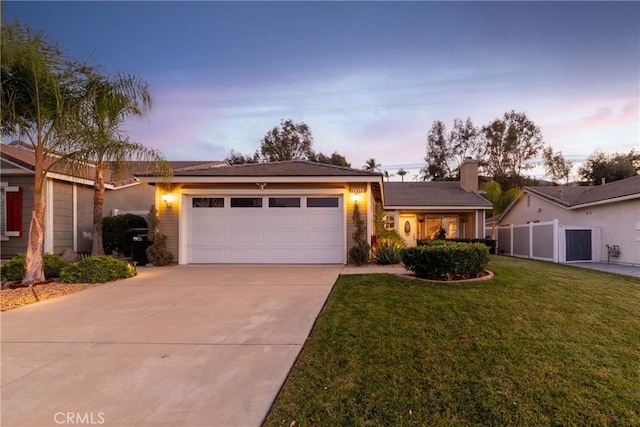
pixel 357 192
pixel 167 199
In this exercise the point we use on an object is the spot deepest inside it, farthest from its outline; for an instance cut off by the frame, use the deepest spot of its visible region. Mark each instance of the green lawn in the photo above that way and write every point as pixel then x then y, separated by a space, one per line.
pixel 539 344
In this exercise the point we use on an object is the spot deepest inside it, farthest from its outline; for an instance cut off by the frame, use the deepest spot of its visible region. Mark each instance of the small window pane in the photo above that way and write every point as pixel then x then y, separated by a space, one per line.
pixel 246 202
pixel 284 202
pixel 322 202
pixel 207 202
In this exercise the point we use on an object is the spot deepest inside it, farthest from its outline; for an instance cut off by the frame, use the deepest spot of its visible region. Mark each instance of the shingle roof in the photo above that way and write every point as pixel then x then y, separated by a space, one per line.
pixel 23 156
pixel 431 194
pixel 576 196
pixel 286 168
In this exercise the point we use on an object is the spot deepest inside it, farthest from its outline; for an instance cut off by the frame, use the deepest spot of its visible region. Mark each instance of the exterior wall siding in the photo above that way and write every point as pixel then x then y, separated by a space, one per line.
pixel 62 216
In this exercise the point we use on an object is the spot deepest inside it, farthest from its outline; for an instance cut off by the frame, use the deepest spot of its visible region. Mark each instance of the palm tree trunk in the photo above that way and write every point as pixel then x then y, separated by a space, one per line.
pixel 34 265
pixel 98 201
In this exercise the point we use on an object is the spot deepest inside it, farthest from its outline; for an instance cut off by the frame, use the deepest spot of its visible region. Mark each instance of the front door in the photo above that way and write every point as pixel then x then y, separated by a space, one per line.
pixel 408 229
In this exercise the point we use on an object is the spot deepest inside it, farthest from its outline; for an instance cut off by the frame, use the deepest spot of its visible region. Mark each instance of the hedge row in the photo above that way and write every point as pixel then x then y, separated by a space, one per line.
pixel 447 260
pixel 490 243
pixel 97 269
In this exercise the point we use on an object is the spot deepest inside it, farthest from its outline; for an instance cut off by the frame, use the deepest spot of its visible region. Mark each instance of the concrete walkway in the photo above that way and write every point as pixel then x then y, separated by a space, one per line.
pixel 627 270
pixel 176 346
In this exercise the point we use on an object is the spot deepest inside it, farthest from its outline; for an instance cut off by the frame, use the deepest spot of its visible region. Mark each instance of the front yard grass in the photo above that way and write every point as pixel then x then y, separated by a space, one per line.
pixel 539 344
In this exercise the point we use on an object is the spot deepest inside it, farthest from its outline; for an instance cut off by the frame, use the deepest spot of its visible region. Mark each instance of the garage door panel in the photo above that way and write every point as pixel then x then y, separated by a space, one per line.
pixel 246 255
pixel 284 220
pixel 326 219
pixel 206 255
pixel 321 238
pixel 254 221
pixel 284 255
pixel 208 238
pixel 324 255
pixel 246 238
pixel 284 237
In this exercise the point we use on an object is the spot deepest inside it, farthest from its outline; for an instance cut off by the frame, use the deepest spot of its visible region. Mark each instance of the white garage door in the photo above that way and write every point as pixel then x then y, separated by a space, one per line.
pixel 272 229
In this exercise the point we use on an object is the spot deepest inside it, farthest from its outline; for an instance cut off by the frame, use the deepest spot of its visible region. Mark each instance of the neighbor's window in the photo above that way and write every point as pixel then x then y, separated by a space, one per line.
pixel 246 202
pixel 388 221
pixel 207 202
pixel 322 202
pixel 284 202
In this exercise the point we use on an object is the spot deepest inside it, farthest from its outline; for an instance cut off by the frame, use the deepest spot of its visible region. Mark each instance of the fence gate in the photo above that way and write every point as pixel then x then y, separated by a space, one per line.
pixel 578 245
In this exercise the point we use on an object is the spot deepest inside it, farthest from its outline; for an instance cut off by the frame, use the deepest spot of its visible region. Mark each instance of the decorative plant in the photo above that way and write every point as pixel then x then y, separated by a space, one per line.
pixel 157 253
pixel 360 252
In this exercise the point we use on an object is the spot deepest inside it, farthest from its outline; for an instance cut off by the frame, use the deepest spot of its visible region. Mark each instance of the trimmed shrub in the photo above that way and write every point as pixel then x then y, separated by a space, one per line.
pixel 447 261
pixel 14 269
pixel 388 252
pixel 157 252
pixel 491 244
pixel 114 232
pixel 97 269
pixel 360 253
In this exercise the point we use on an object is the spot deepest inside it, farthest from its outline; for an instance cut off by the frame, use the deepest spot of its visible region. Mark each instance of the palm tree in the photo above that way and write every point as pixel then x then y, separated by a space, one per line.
pixel 402 173
pixel 388 175
pixel 39 97
pixel 100 141
pixel 371 165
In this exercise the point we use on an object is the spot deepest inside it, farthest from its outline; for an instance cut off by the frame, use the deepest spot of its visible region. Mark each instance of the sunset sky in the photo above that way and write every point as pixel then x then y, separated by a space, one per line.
pixel 369 78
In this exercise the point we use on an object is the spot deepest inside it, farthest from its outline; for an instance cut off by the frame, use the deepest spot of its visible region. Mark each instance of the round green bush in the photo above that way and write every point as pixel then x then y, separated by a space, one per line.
pixel 97 269
pixel 114 232
pixel 14 269
pixel 447 261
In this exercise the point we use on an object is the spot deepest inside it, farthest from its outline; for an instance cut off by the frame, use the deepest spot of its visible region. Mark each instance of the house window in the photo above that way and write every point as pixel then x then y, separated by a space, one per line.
pixel 322 202
pixel 246 202
pixel 207 202
pixel 443 226
pixel 388 222
pixel 284 202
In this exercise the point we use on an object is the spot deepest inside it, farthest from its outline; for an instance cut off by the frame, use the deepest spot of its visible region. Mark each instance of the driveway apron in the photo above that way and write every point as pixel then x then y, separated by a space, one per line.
pixel 197 345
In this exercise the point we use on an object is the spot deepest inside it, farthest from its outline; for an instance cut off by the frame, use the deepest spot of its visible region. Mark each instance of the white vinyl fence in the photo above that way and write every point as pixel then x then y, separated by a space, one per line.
pixel 549 241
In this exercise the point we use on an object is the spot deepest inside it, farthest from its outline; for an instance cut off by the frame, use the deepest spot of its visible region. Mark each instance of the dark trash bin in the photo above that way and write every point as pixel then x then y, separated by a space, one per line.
pixel 137 237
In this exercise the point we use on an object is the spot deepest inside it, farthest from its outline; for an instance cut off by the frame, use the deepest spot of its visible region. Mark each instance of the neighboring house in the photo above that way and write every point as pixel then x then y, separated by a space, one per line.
pixel 420 210
pixel 589 221
pixel 300 211
pixel 69 201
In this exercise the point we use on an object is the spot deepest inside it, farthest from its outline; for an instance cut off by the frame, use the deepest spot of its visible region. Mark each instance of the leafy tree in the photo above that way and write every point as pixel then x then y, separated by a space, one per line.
pixel 289 141
pixel 610 167
pixel 464 140
pixel 401 173
pixel 40 96
pixel 556 166
pixel 236 158
pixel 498 198
pixel 109 102
pixel 335 159
pixel 509 143
pixel 371 165
pixel 439 153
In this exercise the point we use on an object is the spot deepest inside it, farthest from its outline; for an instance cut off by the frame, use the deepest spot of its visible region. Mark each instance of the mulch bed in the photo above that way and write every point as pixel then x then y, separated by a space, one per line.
pixel 14 298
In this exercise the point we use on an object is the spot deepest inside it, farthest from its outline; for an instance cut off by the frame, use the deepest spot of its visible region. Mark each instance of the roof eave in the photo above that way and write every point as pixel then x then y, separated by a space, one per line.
pixel 605 202
pixel 265 179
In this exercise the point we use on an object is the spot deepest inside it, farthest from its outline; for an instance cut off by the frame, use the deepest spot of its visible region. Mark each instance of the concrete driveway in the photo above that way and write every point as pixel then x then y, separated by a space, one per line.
pixel 187 345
